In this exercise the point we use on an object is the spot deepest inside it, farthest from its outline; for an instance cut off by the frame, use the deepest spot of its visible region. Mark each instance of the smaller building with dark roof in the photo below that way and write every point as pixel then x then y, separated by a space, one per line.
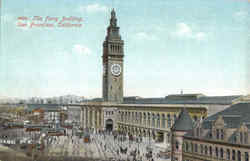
pixel 222 136
pixel 182 125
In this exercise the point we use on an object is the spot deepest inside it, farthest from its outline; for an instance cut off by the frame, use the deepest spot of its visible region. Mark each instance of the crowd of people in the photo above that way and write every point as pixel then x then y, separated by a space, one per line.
pixel 125 147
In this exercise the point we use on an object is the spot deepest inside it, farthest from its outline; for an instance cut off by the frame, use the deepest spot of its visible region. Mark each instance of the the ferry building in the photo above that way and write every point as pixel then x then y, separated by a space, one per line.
pixel 138 116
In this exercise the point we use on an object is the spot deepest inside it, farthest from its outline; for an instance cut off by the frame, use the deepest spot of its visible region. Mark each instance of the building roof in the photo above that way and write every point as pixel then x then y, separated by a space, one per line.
pixel 232 116
pixel 183 122
pixel 183 99
pixel 45 107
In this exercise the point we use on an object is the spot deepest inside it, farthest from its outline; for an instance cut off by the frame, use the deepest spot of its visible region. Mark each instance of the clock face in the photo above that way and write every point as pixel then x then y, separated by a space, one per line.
pixel 116 69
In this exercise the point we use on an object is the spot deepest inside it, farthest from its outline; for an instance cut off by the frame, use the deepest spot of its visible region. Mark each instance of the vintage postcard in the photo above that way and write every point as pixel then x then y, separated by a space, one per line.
pixel 124 80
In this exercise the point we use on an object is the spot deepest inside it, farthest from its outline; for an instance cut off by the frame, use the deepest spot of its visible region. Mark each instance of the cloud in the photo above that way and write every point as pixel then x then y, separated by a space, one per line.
pixel 93 8
pixel 60 51
pixel 145 36
pixel 199 36
pixel 81 49
pixel 184 31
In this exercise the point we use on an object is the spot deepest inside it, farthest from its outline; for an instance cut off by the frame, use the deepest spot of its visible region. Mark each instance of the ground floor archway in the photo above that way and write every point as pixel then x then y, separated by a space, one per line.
pixel 109 125
pixel 160 136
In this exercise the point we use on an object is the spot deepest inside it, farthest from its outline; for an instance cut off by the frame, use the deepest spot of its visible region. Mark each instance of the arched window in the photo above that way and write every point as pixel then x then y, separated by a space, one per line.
pixel 221 152
pixel 234 139
pixel 217 133
pixel 175 117
pixel 201 149
pixel 158 120
pixel 246 138
pixel 169 121
pixel 210 150
pixel 241 137
pixel 198 131
pixel 177 145
pixel 206 150
pixel 140 118
pixel 228 154
pixel 239 155
pixel 169 137
pixel 187 147
pixel 222 134
pixel 192 147
pixel 246 156
pixel 144 118
pixel 148 119
pixel 216 152
pixel 153 120
pixel 210 135
pixel 163 119
pixel 195 148
pixel 137 117
pixel 233 155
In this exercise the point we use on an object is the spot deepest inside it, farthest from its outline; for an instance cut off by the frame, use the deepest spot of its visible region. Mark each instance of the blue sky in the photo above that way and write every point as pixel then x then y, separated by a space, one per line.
pixel 195 45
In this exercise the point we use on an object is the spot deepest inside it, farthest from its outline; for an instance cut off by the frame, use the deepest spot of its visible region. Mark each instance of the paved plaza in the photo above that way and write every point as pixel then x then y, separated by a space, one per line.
pixel 105 147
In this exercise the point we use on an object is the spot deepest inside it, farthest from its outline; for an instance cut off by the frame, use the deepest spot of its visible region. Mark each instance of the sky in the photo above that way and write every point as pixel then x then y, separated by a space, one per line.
pixel 196 46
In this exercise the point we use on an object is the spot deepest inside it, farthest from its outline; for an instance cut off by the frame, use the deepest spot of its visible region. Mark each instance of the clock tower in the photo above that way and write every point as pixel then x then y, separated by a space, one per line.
pixel 112 87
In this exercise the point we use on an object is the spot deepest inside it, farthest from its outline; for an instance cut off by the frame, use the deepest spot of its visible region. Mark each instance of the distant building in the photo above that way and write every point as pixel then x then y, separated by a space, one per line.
pixel 45 113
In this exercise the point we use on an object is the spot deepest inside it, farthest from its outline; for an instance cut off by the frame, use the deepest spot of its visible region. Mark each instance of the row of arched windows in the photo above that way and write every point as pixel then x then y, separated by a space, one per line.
pixel 219 134
pixel 149 119
pixel 218 152
pixel 116 48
